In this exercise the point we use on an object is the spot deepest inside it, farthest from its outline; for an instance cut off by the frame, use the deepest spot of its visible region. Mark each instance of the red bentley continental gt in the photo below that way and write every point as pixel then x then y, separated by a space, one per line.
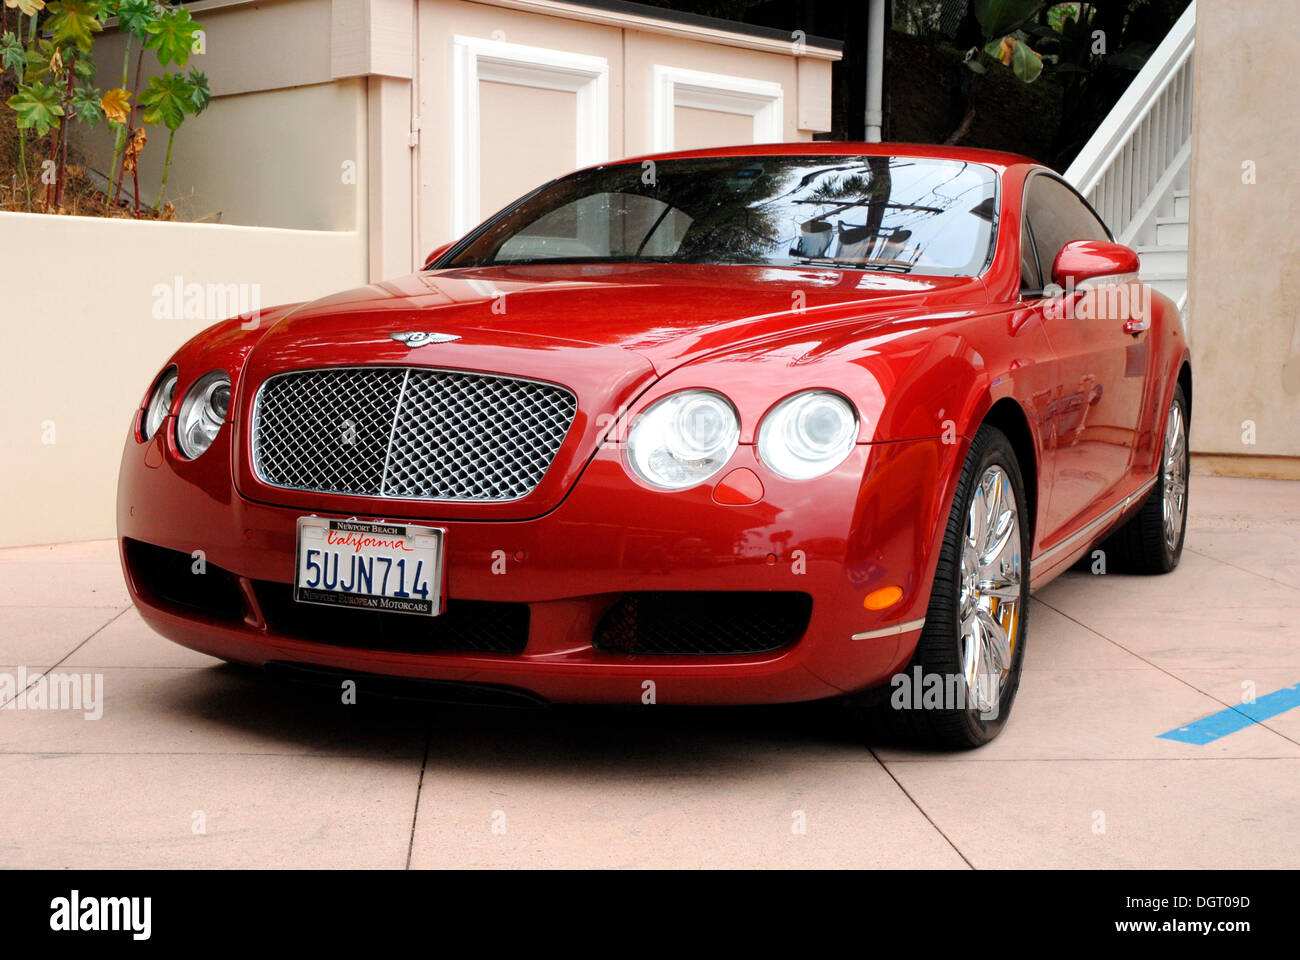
pixel 757 424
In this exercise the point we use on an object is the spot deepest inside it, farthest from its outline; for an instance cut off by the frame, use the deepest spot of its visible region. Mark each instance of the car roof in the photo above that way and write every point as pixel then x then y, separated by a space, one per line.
pixel 997 159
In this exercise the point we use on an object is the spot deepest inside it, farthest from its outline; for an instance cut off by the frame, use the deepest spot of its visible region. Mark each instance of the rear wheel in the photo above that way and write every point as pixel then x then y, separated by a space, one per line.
pixel 1152 540
pixel 968 660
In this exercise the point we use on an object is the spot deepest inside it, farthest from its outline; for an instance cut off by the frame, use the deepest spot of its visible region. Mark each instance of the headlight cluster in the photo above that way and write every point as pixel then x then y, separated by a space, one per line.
pixel 160 402
pixel 687 437
pixel 202 412
pixel 808 434
pixel 683 439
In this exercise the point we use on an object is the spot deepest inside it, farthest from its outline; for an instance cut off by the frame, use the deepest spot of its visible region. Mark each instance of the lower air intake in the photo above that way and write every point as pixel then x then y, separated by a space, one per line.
pixel 467 626
pixel 703 623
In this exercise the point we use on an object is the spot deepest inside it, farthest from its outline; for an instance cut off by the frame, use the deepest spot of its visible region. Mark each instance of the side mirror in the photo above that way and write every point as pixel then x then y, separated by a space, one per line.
pixel 437 252
pixel 1081 260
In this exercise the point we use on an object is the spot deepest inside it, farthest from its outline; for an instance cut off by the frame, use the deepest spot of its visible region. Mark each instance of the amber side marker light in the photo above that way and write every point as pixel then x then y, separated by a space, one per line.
pixel 882 598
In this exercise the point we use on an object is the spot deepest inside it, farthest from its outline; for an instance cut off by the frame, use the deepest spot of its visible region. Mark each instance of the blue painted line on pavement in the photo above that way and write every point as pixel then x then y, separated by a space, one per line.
pixel 1217 725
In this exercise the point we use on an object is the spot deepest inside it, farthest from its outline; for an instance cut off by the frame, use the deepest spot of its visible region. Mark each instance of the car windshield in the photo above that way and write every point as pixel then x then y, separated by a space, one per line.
pixel 895 214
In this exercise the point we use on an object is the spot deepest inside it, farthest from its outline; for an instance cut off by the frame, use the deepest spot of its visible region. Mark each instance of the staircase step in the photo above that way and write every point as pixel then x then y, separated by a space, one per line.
pixel 1182 203
pixel 1171 231
pixel 1164 259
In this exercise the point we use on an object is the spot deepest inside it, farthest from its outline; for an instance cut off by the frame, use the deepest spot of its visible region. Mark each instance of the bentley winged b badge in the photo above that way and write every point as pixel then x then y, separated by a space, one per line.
pixel 418 338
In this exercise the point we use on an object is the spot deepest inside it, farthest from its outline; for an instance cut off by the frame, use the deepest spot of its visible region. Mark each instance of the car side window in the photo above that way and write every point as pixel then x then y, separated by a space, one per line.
pixel 1030 283
pixel 1056 216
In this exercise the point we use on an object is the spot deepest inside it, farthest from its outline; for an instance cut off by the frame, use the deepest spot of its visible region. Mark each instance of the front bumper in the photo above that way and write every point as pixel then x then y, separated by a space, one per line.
pixel 836 539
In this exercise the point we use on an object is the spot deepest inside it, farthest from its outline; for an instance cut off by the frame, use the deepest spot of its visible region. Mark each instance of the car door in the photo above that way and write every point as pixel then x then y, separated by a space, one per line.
pixel 1102 366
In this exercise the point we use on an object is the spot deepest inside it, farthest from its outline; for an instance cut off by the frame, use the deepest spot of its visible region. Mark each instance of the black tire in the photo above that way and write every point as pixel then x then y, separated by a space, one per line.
pixel 939 650
pixel 1140 545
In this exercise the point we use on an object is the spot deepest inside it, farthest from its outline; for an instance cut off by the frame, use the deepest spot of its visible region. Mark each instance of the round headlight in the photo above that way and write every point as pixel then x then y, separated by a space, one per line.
pixel 160 402
pixel 202 413
pixel 807 435
pixel 683 439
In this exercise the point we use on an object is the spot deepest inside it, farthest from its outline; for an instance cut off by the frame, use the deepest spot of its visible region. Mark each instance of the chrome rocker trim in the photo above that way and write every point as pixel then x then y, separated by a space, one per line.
pixel 1072 541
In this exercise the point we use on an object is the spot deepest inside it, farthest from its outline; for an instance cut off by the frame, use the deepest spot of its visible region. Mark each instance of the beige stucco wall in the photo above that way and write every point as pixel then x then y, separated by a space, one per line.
pixel 512 115
pixel 82 343
pixel 646 50
pixel 1244 265
pixel 696 128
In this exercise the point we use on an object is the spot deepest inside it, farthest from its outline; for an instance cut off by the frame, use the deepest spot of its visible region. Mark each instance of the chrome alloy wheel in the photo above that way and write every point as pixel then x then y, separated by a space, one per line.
pixel 1174 468
pixel 989 601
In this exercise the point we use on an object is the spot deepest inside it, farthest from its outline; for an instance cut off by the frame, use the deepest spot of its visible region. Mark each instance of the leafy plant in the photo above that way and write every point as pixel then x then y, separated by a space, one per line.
pixel 167 101
pixel 997 18
pixel 133 18
pixel 52 77
pixel 1001 21
pixel 200 94
pixel 85 106
pixel 72 22
pixel 53 74
pixel 45 61
pixel 37 106
pixel 116 105
pixel 170 34
pixel 12 55
pixel 1092 49
pixel 1015 53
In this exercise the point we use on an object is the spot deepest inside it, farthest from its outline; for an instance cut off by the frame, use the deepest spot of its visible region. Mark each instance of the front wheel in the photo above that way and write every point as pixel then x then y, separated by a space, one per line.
pixel 961 683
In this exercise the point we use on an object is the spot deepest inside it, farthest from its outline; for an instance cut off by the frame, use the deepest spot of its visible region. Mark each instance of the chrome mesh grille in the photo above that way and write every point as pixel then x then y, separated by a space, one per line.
pixel 408 432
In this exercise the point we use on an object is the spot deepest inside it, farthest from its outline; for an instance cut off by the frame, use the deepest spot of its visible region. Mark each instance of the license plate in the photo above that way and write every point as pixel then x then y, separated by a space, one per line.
pixel 371 566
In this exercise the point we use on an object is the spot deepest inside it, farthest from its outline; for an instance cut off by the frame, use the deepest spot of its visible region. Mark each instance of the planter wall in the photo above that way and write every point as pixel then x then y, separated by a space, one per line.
pixel 87 326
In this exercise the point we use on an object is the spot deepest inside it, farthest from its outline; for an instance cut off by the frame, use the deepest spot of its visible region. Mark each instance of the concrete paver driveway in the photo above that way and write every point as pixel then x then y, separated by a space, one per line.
pixel 194 763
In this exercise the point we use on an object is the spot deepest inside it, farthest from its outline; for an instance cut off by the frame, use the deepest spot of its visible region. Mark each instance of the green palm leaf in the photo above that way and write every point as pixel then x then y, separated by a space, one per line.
pixel 72 22
pixel 37 107
pixel 172 37
pixel 135 16
pixel 11 54
pixel 167 99
pixel 85 105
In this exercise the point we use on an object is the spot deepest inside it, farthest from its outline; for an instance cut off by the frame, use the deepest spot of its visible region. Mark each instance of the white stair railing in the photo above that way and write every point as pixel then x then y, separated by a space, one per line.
pixel 1133 158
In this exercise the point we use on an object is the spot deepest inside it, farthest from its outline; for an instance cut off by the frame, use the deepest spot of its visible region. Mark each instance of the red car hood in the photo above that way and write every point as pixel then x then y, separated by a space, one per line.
pixel 669 314
pixel 605 332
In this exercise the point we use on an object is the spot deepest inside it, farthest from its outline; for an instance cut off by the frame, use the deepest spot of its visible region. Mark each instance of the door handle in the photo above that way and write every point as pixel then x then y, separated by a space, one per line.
pixel 1137 326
